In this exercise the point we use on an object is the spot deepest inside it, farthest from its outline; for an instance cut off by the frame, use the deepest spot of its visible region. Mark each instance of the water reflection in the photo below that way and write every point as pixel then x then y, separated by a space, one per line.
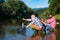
pixel 50 36
pixel 2 34
pixel 36 37
pixel 11 34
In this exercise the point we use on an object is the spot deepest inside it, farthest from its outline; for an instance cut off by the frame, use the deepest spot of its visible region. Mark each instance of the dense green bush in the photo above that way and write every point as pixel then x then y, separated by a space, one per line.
pixel 15 9
pixel 57 17
pixel 54 6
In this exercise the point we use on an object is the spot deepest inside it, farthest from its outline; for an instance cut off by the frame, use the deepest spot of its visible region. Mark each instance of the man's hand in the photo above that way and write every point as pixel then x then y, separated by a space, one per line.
pixel 24 19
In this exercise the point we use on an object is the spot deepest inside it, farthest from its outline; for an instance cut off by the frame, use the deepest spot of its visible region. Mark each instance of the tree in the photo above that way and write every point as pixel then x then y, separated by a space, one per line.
pixel 54 6
pixel 15 9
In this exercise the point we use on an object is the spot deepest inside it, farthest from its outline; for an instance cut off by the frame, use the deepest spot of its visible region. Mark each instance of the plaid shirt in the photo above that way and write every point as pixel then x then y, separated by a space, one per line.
pixel 37 22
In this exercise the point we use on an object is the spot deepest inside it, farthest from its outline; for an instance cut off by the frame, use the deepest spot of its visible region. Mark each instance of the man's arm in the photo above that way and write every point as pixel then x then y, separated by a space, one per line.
pixel 30 24
pixel 26 19
pixel 49 21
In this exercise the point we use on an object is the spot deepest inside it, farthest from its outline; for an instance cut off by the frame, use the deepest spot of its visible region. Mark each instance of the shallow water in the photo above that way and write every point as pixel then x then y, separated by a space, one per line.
pixel 11 33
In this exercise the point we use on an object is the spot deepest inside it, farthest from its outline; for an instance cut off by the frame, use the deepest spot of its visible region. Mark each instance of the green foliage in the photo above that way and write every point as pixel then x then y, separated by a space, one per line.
pixel 42 12
pixel 15 9
pixel 6 8
pixel 54 6
pixel 57 17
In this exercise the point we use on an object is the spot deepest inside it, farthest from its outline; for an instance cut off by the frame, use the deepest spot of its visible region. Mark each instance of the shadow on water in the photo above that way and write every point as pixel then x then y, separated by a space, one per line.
pixel 10 32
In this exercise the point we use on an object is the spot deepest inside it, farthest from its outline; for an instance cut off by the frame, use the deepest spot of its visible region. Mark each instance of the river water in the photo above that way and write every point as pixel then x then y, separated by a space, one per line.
pixel 12 33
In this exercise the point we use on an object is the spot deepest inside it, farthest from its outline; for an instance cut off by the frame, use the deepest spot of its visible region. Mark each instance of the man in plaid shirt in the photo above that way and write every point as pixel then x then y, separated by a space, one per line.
pixel 35 22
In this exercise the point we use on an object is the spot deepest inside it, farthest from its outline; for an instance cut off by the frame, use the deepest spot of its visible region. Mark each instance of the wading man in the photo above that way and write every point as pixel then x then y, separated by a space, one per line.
pixel 35 23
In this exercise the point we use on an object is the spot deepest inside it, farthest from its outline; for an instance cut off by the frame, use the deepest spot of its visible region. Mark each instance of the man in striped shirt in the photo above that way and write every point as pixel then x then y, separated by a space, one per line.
pixel 35 22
